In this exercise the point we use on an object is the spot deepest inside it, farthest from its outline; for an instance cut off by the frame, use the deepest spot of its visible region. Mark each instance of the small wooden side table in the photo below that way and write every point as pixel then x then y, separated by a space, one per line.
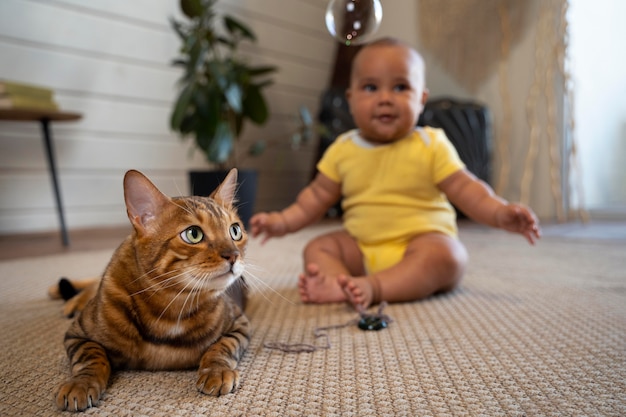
pixel 44 117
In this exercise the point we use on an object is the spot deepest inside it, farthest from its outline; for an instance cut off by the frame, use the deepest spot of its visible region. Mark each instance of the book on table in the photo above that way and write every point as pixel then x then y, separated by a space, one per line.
pixel 22 89
pixel 16 95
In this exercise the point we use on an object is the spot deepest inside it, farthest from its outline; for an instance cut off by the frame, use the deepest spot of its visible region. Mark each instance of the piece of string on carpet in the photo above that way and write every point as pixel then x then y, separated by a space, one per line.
pixel 322 332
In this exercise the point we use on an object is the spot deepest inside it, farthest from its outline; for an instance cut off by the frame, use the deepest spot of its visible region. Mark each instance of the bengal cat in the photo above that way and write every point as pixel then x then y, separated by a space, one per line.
pixel 172 296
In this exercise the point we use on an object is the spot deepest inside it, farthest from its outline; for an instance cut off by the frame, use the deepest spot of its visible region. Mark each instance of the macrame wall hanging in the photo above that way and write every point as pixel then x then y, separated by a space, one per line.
pixel 473 39
pixel 466 38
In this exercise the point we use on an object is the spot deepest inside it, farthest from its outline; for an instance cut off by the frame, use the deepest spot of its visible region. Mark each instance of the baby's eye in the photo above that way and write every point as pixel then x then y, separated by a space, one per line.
pixel 236 233
pixel 369 87
pixel 192 235
pixel 401 87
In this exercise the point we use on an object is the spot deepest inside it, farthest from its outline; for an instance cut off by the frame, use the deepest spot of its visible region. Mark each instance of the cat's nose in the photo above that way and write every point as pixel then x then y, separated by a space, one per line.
pixel 230 255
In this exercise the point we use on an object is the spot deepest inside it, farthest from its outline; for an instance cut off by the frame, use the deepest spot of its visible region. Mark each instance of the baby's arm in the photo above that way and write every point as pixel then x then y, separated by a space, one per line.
pixel 310 205
pixel 478 201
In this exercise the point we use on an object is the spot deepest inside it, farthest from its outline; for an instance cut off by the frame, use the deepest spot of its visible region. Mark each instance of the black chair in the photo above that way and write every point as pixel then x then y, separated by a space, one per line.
pixel 468 126
pixel 335 119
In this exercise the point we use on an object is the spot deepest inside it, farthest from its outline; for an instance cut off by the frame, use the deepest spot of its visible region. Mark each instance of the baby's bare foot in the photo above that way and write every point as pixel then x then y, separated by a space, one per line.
pixel 358 291
pixel 317 287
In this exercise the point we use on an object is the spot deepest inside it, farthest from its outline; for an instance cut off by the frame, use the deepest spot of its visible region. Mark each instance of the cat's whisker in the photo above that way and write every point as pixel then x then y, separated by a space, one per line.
pixel 160 284
pixel 256 267
pixel 256 289
pixel 260 285
pixel 191 282
pixel 193 293
pixel 188 208
pixel 201 279
pixel 147 274
pixel 178 190
pixel 196 290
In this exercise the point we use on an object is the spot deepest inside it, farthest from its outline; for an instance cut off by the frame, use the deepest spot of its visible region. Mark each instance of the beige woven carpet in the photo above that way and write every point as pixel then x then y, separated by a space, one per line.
pixel 531 332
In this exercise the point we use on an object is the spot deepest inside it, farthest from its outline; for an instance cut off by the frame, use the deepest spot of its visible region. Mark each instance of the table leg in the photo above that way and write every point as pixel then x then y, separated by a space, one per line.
pixel 47 138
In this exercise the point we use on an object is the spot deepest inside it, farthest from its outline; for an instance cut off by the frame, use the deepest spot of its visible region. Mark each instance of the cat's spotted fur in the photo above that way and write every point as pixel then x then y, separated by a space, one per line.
pixel 170 298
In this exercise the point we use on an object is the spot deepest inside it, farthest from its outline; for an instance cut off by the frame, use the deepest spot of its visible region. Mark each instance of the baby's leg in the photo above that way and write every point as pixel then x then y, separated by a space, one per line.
pixel 432 263
pixel 325 258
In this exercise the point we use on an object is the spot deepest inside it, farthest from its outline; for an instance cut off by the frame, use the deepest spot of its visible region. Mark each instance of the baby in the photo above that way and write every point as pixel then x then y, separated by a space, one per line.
pixel 399 239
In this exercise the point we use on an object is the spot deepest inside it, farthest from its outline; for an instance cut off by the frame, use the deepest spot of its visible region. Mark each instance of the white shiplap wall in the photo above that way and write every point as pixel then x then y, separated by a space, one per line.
pixel 110 60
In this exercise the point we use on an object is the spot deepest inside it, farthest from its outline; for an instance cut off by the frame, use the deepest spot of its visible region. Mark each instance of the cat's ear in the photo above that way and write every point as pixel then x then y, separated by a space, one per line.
pixel 143 200
pixel 226 190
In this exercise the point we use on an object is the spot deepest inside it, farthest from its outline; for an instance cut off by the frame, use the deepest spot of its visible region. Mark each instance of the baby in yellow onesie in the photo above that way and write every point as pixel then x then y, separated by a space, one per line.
pixel 399 241
pixel 384 207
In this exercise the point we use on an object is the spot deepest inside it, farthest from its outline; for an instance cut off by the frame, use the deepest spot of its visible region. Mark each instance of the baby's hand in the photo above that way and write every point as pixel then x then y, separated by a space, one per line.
pixel 259 223
pixel 271 224
pixel 519 219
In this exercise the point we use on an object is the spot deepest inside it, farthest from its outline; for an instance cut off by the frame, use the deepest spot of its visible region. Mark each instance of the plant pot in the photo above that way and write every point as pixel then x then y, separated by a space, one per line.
pixel 203 183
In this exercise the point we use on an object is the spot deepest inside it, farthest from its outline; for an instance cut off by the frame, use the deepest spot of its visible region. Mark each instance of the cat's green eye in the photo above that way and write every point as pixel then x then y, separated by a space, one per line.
pixel 236 233
pixel 192 235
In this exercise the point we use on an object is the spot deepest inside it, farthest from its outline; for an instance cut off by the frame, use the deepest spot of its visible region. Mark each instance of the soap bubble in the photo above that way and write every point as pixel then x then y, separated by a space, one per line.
pixel 353 21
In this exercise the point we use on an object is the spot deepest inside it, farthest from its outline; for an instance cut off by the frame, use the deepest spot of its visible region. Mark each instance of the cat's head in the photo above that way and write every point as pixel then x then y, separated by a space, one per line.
pixel 197 241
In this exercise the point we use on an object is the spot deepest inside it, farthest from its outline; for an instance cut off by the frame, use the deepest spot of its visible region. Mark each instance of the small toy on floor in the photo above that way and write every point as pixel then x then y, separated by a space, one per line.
pixel 372 323
pixel 366 321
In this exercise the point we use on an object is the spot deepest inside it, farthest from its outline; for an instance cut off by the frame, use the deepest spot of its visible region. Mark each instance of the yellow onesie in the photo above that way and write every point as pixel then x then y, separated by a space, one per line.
pixel 390 191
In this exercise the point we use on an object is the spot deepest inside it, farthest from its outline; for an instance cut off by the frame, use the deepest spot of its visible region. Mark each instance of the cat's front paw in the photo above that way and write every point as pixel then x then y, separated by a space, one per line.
pixel 217 381
pixel 77 395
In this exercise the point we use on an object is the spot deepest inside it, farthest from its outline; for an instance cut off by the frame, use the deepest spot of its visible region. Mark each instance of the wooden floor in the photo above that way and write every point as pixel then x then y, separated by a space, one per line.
pixel 39 244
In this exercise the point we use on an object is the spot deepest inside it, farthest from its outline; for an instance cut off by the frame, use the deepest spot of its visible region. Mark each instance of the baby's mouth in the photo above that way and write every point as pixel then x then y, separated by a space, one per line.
pixel 385 118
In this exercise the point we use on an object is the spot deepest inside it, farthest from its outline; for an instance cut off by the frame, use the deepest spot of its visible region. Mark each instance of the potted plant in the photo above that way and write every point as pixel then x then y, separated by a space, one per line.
pixel 219 93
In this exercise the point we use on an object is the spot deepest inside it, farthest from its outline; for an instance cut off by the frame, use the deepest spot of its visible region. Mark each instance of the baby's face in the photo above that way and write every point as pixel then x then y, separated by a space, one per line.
pixel 386 93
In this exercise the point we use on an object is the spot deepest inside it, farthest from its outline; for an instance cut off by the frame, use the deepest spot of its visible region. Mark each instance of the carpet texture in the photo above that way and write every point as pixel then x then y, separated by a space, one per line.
pixel 532 331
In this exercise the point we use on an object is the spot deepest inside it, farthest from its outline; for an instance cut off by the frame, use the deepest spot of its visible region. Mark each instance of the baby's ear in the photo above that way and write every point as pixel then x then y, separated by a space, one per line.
pixel 225 192
pixel 143 200
pixel 348 94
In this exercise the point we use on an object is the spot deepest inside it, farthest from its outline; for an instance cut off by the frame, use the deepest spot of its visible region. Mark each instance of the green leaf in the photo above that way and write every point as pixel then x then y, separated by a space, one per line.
pixel 254 105
pixel 307 134
pixel 221 145
pixel 296 140
pixel 305 116
pixel 203 138
pixel 238 117
pixel 225 41
pixel 257 148
pixel 196 53
pixel 234 97
pixel 179 62
pixel 181 106
pixel 236 27
pixel 206 100
pixel 178 28
pixel 256 71
pixel 188 124
pixel 215 71
pixel 191 8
